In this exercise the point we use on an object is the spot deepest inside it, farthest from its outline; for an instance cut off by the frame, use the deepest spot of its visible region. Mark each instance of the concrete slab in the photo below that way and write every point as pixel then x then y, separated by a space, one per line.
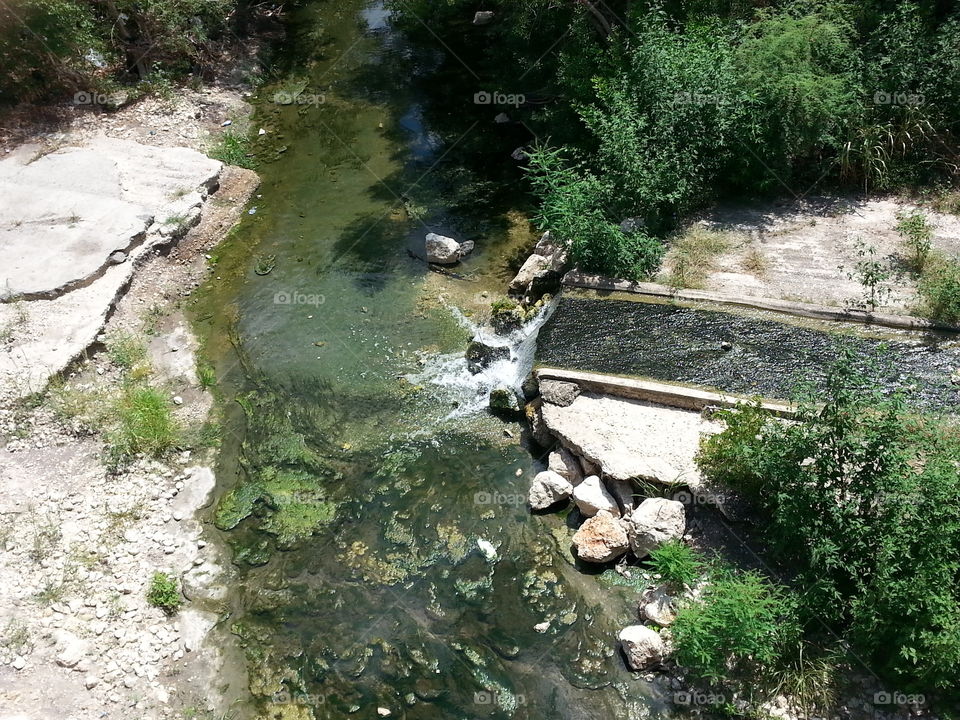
pixel 62 214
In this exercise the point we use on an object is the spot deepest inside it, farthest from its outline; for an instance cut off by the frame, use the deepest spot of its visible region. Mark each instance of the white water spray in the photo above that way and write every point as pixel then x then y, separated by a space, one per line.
pixel 469 393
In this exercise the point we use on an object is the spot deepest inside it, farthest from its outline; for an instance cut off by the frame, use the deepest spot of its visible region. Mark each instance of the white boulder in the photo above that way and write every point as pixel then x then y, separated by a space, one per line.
pixel 445 250
pixel 548 488
pixel 592 497
pixel 653 522
pixel 642 646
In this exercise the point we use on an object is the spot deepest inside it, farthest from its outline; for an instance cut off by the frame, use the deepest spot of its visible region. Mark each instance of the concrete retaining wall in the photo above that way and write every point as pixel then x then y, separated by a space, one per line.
pixel 660 393
pixel 575 278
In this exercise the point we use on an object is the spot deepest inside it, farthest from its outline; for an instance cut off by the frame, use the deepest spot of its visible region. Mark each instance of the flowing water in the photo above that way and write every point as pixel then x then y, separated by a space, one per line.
pixel 764 356
pixel 376 513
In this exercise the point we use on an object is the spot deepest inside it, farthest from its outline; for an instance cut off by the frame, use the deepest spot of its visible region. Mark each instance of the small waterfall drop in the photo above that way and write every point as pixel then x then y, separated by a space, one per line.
pixel 469 392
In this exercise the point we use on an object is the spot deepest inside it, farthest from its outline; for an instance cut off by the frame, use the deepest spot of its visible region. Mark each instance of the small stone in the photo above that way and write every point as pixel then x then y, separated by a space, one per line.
pixel 383 712
pixel 19 663
pixel 542 627
pixel 91 681
pixel 177 400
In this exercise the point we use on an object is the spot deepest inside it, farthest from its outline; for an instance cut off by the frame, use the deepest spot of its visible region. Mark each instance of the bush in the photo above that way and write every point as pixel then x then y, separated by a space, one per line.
pixel 233 149
pixel 917 233
pixel 939 290
pixel 741 625
pixel 144 424
pixel 164 593
pixel 677 564
pixel 862 498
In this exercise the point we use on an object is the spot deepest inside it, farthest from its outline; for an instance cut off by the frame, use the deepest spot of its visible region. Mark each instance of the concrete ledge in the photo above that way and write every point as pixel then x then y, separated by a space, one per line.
pixel 576 278
pixel 659 393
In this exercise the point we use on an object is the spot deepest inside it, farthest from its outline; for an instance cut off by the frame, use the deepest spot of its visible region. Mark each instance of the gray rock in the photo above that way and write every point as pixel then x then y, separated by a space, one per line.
pixel 655 521
pixel 538 428
pixel 480 355
pixel 564 463
pixel 533 266
pixel 623 493
pixel 642 646
pixel 483 17
pixel 504 400
pixel 444 250
pixel 557 392
pixel 117 257
pixel 658 607
pixel 547 489
pixel 70 649
pixel 592 497
pixel 601 539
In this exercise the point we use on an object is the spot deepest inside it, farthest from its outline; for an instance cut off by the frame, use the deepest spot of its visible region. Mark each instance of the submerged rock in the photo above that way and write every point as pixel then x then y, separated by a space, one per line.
pixel 445 250
pixel 564 463
pixel 480 355
pixel 504 400
pixel 653 523
pixel 601 539
pixel 483 17
pixel 592 497
pixel 642 646
pixel 557 392
pixel 547 489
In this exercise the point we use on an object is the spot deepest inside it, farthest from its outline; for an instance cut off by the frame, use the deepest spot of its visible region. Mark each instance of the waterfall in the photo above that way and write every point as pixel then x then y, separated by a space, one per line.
pixel 468 392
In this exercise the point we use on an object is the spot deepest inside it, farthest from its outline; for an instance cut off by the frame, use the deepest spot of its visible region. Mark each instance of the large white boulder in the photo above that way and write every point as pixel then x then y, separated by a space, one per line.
pixel 653 522
pixel 642 646
pixel 592 497
pixel 601 539
pixel 445 250
pixel 548 488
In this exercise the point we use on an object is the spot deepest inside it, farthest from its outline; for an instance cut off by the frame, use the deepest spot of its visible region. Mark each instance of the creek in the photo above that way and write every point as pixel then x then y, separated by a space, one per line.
pixel 377 514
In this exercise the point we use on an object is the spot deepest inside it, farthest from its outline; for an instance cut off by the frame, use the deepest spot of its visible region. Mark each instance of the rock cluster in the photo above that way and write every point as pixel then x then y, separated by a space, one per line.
pixel 444 250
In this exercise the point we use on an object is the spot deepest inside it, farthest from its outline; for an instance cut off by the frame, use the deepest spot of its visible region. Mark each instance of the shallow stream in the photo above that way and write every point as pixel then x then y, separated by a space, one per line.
pixel 376 513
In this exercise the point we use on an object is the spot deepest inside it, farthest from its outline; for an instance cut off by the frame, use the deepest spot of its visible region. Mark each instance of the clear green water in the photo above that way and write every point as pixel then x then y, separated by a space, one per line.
pixel 354 503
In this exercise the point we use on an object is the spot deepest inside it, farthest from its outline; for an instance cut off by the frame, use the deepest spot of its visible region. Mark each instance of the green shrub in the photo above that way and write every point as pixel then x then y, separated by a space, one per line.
pixel 917 233
pixel 741 625
pixel 233 149
pixel 677 564
pixel 861 498
pixel 206 375
pixel 144 423
pixel 164 593
pixel 125 350
pixel 939 289
pixel 735 457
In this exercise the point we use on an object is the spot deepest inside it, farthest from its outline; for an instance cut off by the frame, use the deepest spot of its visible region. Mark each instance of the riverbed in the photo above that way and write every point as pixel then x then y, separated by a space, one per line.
pixel 388 560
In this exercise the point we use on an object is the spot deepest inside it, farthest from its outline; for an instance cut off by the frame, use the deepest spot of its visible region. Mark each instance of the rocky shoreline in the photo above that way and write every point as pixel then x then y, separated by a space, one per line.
pixel 82 539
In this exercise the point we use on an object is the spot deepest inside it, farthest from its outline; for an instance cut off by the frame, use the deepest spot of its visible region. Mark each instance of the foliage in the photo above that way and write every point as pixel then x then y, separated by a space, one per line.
pixel 164 593
pixel 917 233
pixel 694 254
pixel 144 424
pixel 862 499
pixel 872 274
pixel 677 564
pixel 939 289
pixel 741 625
pixel 233 149
pixel 125 350
pixel 51 47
